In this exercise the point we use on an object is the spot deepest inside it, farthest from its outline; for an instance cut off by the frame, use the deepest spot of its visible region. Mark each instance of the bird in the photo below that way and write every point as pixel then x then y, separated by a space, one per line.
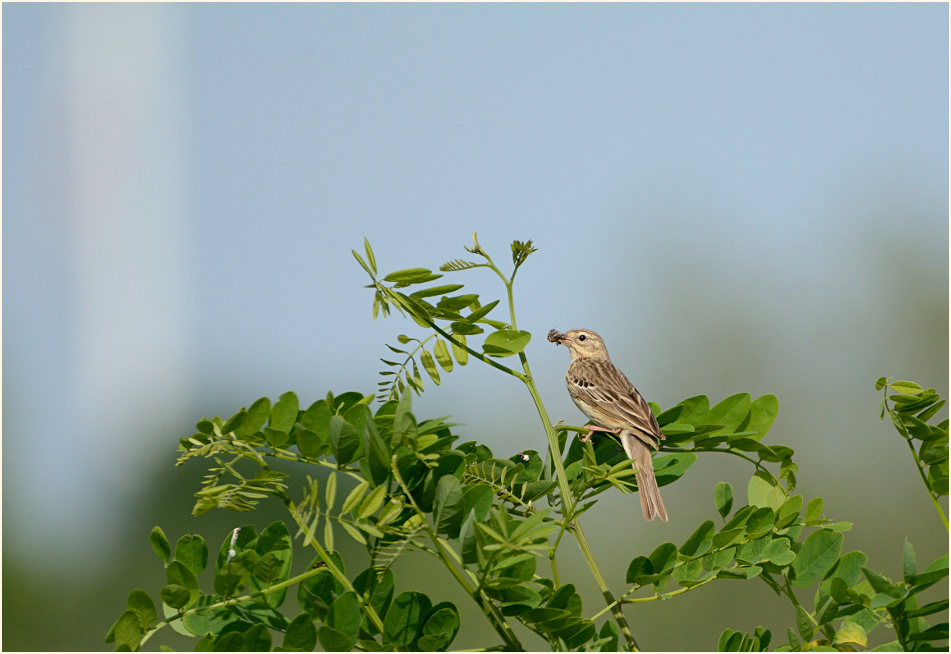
pixel 609 399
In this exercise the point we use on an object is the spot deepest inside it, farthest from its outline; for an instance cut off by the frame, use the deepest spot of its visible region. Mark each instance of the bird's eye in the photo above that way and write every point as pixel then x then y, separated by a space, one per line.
pixel 582 337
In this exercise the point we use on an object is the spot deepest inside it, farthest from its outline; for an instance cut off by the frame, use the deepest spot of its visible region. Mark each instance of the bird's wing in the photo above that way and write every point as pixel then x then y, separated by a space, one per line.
pixel 600 385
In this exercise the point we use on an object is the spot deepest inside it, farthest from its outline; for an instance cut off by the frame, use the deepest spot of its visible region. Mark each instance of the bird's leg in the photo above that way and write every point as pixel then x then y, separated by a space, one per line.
pixel 594 428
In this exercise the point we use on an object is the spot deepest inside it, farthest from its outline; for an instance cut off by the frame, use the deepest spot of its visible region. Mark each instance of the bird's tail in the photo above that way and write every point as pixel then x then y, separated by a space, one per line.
pixel 651 502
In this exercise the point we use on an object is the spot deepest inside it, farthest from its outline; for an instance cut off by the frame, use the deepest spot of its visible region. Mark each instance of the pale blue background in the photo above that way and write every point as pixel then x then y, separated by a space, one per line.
pixel 737 197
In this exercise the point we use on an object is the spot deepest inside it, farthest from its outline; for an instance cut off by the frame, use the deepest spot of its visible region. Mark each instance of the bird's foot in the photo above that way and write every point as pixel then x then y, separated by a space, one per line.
pixel 594 428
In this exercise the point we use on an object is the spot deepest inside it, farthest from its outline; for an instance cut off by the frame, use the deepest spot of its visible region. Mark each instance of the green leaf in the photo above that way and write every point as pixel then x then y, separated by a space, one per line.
pixel 441 352
pixel 234 575
pixel 849 567
pixel 482 311
pixel 256 639
pixel 440 627
pixel 449 505
pixel 284 412
pixel 436 290
pixel 664 557
pixel 909 566
pixel 729 641
pixel 937 632
pixel 409 276
pixel 723 498
pixel 258 415
pixel 277 438
pixel 377 584
pixel 462 328
pixel 235 423
pixel 778 552
pixel 403 619
pixel 344 615
pixel 370 257
pixel 689 573
pixel 731 411
pixel 506 342
pixel 344 439
pixel 127 631
pixel 457 302
pixel 371 503
pixel 804 624
pixel 316 594
pixel 718 559
pixel 695 410
pixel 850 632
pixel 459 264
pixel 906 387
pixel 609 633
pixel 639 571
pixel 760 521
pixel 893 646
pixel 429 364
pixel 363 264
pixel 334 641
pixel 817 556
pixel 175 595
pixel 761 492
pixel 460 354
pixel 177 573
pixel 355 497
pixel 744 572
pixel 814 510
pixel 142 605
pixel 789 511
pixel 928 609
pixel 160 544
pixel 763 412
pixel 794 643
pixel 193 552
pixel 936 571
pixel 330 491
pixel 700 541
pixel 275 549
pixel 377 452
pixel 670 467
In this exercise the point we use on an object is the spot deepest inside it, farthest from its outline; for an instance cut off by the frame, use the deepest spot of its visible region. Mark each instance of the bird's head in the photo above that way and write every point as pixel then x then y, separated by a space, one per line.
pixel 582 343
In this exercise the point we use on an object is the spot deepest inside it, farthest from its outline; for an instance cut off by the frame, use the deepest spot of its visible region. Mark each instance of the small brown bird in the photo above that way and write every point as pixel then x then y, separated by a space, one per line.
pixel 606 396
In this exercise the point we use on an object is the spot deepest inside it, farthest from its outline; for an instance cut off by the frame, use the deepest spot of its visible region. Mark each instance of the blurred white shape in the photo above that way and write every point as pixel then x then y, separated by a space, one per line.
pixel 125 222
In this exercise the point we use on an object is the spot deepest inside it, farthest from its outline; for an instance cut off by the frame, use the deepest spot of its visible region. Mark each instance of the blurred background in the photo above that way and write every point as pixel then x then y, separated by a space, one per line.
pixel 737 197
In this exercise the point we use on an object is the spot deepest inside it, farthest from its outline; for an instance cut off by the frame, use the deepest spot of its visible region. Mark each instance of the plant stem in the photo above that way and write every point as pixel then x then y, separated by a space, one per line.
pixel 568 506
pixel 788 592
pixel 664 596
pixel 495 618
pixel 924 479
pixel 900 426
pixel 230 602
pixel 341 577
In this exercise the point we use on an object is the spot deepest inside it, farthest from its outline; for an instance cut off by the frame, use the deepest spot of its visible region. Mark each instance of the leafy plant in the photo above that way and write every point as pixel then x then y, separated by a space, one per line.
pixel 390 484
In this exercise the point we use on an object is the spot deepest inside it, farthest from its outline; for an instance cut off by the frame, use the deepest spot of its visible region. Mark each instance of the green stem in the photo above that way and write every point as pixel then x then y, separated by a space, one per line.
pixel 924 479
pixel 491 612
pixel 449 337
pixel 758 464
pixel 788 592
pixel 339 575
pixel 899 425
pixel 285 455
pixel 664 596
pixel 568 506
pixel 230 602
